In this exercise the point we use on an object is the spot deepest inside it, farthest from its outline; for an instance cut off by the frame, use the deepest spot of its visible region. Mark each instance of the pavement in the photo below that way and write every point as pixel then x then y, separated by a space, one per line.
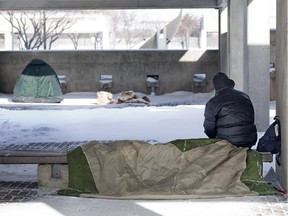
pixel 20 195
pixel 24 198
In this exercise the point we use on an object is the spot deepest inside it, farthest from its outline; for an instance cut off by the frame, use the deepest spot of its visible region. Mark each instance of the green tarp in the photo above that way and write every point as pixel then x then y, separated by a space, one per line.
pixel 38 83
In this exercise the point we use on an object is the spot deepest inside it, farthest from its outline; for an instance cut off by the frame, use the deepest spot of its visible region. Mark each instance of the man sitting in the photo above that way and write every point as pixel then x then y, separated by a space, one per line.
pixel 229 114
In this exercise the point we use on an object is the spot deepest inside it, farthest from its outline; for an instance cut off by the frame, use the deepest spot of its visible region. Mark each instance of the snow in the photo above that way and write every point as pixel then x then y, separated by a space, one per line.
pixel 177 115
pixel 151 79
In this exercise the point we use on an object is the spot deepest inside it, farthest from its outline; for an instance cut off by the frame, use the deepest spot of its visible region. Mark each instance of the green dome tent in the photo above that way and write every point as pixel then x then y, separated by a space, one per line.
pixel 38 83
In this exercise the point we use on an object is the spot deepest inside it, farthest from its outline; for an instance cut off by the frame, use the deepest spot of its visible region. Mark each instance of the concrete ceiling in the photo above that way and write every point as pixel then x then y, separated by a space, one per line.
pixel 108 4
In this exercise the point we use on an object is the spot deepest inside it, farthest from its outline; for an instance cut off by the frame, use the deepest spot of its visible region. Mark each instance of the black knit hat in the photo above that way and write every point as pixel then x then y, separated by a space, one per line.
pixel 221 80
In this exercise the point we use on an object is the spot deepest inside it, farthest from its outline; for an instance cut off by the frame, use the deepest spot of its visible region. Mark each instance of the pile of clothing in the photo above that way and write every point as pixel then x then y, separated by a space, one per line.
pixel 124 97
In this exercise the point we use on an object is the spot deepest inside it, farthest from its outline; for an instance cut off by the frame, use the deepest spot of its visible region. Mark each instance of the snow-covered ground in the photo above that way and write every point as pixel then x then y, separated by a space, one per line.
pixel 78 117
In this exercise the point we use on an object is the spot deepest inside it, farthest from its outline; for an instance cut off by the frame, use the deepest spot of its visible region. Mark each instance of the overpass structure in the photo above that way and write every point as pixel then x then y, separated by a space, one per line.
pixel 243 44
pixel 107 4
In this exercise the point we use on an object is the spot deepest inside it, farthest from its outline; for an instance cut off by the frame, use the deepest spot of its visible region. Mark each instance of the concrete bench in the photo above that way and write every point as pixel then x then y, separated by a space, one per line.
pixel 267 157
pixel 52 169
pixel 49 157
pixel 62 81
pixel 32 157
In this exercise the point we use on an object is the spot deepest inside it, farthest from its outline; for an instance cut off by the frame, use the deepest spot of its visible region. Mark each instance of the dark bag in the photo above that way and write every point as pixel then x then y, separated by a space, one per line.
pixel 271 140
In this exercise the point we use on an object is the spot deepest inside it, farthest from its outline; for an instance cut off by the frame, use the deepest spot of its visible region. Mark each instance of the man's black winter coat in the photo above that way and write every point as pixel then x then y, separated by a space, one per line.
pixel 230 115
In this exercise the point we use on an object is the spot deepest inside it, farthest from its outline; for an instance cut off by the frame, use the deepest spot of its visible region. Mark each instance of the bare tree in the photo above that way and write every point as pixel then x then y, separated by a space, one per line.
pixel 131 28
pixel 75 39
pixel 127 24
pixel 190 26
pixel 147 28
pixel 36 29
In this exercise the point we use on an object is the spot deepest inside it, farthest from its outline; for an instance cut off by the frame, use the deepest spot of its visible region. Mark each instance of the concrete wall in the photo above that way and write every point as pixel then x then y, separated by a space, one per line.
pixel 128 68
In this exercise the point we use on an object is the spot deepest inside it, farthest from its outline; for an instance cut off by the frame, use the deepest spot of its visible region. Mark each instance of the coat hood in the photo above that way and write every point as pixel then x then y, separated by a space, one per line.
pixel 221 80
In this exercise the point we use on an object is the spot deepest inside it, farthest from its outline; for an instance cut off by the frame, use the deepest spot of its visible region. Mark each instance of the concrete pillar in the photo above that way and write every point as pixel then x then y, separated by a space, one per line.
pixel 223 43
pixel 282 86
pixel 203 34
pixel 258 40
pixel 237 43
